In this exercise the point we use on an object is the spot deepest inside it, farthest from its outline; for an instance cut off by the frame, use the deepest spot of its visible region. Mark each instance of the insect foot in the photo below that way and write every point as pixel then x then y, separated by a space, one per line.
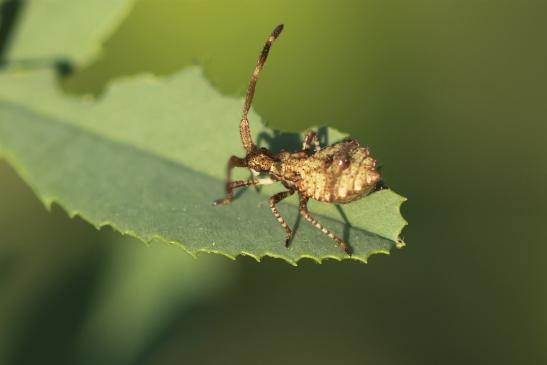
pixel 222 201
pixel 340 173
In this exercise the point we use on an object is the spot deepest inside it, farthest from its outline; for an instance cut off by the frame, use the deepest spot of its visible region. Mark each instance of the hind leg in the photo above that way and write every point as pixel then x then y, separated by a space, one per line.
pixel 307 216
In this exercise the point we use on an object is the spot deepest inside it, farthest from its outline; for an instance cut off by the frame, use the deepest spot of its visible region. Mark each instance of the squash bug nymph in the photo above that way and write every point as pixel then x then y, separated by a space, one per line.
pixel 339 173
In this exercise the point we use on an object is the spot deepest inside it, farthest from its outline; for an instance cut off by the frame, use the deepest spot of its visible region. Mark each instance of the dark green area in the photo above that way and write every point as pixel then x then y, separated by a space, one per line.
pixel 451 97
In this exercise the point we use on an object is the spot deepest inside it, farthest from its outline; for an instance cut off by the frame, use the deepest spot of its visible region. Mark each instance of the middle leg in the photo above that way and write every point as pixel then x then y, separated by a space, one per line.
pixel 273 206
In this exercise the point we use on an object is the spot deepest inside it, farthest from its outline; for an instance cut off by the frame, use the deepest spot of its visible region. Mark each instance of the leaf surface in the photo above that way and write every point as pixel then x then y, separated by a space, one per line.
pixel 149 157
pixel 68 30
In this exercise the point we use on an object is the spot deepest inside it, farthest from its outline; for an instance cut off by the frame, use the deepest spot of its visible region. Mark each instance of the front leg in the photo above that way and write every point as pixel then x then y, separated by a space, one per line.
pixel 234 161
pixel 237 184
pixel 310 137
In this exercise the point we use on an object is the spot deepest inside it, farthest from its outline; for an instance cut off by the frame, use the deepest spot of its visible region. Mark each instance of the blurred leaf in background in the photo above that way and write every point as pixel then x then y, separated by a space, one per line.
pixel 68 32
pixel 72 294
pixel 450 95
pixel 145 290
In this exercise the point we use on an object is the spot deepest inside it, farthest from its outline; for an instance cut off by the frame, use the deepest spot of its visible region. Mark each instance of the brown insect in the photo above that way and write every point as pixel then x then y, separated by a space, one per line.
pixel 340 173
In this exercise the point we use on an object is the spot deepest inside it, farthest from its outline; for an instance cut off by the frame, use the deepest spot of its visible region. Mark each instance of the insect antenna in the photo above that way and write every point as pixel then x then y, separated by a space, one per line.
pixel 244 130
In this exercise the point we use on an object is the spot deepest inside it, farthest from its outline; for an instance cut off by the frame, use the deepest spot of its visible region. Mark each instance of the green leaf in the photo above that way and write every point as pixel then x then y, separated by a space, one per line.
pixel 149 157
pixel 68 30
pixel 165 283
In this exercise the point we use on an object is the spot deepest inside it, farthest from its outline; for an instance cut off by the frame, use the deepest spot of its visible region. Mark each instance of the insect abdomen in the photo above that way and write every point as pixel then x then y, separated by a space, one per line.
pixel 340 173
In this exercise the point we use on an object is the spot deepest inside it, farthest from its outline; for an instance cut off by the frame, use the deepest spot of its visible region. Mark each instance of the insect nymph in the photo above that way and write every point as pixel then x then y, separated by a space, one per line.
pixel 339 173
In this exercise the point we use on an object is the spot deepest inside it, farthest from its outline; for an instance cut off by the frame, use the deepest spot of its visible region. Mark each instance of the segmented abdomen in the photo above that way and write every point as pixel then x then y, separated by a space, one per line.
pixel 340 173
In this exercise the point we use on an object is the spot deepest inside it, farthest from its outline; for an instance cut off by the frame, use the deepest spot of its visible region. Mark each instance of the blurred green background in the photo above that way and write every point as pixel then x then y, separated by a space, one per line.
pixel 450 95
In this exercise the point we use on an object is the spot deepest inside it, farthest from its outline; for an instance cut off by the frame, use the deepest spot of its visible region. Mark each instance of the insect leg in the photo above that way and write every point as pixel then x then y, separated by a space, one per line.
pixel 307 216
pixel 238 184
pixel 311 136
pixel 232 162
pixel 273 202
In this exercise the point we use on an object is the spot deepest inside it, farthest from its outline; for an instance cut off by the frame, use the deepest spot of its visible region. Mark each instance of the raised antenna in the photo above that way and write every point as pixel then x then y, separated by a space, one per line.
pixel 244 125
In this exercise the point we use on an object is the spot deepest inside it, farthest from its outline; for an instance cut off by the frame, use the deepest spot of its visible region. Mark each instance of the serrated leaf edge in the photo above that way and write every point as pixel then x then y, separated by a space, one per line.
pixel 49 201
